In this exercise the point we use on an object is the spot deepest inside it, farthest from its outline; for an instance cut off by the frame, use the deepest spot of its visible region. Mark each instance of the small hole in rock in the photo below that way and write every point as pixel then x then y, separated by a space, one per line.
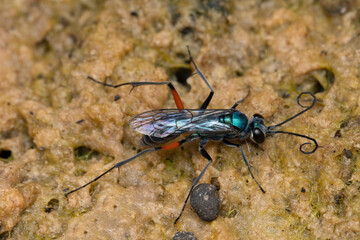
pixel 5 154
pixel 182 74
pixel 43 46
pixel 84 153
pixel 92 190
pixel 53 204
pixel 186 31
pixel 239 73
pixel 311 85
pixel 134 14
pixel 79 172
pixel 316 81
pixel 4 235
pixel 232 214
pixel 337 134
pixel 215 181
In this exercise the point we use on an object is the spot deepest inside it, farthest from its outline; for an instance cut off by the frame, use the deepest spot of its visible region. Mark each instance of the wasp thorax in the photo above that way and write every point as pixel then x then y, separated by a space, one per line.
pixel 237 119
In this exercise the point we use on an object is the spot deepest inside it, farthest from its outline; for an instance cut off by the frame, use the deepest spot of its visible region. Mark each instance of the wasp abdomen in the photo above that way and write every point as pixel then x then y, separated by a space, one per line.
pixel 149 141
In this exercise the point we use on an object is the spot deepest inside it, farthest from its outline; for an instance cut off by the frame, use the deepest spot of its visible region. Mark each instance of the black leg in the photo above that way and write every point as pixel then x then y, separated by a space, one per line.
pixel 203 142
pixel 208 99
pixel 119 164
pixel 230 144
pixel 175 94
pixel 241 100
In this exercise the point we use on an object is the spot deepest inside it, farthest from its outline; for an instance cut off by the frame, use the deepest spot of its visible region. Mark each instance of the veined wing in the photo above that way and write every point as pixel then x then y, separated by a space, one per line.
pixel 164 122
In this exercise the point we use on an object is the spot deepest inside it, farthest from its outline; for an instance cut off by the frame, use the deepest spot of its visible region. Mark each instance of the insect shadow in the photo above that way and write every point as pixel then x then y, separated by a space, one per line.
pixel 161 126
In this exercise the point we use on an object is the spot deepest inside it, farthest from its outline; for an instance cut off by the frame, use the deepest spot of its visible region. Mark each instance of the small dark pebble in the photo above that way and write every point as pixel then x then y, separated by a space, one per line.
pixel 184 236
pixel 337 134
pixel 303 190
pixel 205 201
pixel 117 97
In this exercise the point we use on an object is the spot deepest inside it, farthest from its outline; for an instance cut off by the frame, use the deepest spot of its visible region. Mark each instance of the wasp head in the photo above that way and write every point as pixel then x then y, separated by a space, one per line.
pixel 257 129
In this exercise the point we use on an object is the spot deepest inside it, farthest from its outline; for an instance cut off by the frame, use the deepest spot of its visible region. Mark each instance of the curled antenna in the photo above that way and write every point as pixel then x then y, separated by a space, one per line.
pixel 272 131
pixel 303 136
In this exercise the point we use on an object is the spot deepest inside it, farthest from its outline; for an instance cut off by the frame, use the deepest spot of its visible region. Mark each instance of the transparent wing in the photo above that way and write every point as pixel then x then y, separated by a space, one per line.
pixel 164 122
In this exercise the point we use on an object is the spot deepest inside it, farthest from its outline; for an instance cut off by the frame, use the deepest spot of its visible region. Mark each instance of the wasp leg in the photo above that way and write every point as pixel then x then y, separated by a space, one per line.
pixel 119 164
pixel 203 152
pixel 230 144
pixel 208 99
pixel 179 143
pixel 177 99
pixel 241 100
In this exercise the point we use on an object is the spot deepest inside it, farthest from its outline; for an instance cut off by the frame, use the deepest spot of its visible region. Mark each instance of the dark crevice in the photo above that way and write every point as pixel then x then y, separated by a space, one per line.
pixel 220 6
pixel 336 7
pixel 317 81
pixel 340 206
pixel 351 123
pixel 174 14
pixel 284 94
pixel 134 14
pixel 85 153
pixel 53 204
pixel 310 85
pixel 329 75
pixel 232 214
pixel 182 74
pixel 215 181
pixel 181 55
pixel 5 154
pixel 337 134
pixel 239 73
pixel 79 172
pixel 43 46
pixel 186 31
pixel 4 235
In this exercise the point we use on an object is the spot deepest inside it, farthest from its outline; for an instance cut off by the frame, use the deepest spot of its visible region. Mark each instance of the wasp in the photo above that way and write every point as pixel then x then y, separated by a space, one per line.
pixel 159 127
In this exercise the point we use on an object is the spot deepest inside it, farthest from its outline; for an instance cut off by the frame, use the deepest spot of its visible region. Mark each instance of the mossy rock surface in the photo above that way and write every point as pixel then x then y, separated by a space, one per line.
pixel 59 130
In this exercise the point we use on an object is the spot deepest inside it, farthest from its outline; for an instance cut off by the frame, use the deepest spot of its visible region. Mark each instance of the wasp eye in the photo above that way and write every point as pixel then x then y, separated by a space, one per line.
pixel 258 136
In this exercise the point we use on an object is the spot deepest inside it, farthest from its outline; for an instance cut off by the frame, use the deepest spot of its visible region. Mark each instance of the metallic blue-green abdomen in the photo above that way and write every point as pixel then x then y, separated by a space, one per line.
pixel 237 119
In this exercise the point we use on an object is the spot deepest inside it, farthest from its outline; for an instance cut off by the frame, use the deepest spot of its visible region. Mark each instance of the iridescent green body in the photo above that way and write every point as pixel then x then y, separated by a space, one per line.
pixel 159 126
pixel 237 119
